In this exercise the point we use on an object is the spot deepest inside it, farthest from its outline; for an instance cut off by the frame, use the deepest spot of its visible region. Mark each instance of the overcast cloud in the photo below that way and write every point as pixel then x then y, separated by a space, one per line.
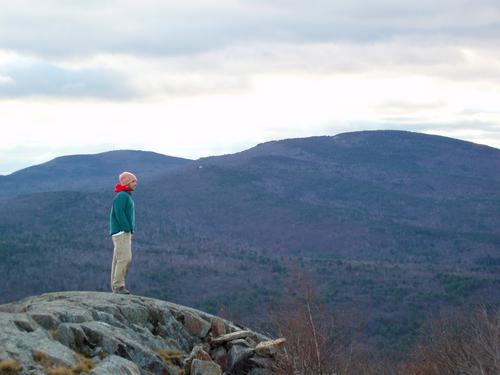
pixel 196 78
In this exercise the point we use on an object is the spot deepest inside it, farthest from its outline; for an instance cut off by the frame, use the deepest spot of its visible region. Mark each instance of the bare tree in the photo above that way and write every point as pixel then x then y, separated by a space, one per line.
pixel 309 328
pixel 469 345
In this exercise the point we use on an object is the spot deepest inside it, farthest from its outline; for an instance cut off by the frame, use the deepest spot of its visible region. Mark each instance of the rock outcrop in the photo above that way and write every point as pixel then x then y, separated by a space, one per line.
pixel 103 333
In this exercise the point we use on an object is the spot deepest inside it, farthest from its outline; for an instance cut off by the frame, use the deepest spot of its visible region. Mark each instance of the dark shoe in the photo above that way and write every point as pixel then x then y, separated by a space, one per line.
pixel 121 290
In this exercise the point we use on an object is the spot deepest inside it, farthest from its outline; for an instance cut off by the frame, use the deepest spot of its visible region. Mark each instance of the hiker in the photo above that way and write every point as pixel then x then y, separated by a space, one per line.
pixel 121 229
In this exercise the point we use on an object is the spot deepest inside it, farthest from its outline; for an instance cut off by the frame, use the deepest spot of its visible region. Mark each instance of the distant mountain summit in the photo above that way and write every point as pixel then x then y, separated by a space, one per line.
pixel 91 172
pixel 378 147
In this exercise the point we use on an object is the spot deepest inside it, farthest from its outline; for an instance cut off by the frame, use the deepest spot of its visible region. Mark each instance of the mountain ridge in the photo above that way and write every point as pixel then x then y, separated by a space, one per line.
pixel 392 222
pixel 90 172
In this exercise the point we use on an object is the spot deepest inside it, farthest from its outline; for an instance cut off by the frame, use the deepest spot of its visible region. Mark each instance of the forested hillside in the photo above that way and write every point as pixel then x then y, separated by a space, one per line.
pixel 390 226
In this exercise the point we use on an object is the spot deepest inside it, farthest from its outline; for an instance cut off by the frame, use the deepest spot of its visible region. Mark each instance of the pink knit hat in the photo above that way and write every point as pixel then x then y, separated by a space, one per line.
pixel 126 178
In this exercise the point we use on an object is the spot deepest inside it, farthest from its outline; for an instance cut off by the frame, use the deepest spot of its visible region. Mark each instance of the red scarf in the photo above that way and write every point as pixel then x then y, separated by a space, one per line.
pixel 120 187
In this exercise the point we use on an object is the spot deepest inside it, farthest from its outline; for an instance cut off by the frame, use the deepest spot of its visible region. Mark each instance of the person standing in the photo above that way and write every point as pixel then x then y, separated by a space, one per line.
pixel 121 229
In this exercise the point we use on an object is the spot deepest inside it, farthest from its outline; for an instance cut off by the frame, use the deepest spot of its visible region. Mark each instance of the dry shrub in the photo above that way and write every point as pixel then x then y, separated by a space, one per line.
pixel 53 333
pixel 84 365
pixel 312 339
pixel 10 366
pixel 60 371
pixel 173 357
pixel 43 359
pixel 468 345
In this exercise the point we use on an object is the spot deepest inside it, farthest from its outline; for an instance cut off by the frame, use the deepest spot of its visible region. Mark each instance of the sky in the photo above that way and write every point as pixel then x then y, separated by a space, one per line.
pixel 210 77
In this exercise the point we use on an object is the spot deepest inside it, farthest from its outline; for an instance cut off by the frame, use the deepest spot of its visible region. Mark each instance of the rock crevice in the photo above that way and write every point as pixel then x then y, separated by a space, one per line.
pixel 105 333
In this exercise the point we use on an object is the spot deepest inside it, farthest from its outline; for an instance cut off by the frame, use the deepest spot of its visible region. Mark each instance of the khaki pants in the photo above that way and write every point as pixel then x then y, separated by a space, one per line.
pixel 122 256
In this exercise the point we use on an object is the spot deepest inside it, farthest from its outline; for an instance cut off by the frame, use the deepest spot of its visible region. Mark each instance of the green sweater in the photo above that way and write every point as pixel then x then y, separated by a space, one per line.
pixel 122 216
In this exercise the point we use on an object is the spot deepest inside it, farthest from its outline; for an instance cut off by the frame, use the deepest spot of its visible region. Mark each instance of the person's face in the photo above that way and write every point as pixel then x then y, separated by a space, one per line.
pixel 132 185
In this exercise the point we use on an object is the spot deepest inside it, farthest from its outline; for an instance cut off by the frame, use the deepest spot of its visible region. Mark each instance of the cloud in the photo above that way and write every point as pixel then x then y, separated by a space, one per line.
pixel 217 75
pixel 145 28
pixel 151 49
pixel 234 70
pixel 38 78
pixel 170 28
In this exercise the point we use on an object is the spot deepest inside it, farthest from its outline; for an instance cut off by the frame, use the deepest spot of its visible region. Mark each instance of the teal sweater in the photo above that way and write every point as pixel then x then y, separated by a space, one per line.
pixel 122 216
